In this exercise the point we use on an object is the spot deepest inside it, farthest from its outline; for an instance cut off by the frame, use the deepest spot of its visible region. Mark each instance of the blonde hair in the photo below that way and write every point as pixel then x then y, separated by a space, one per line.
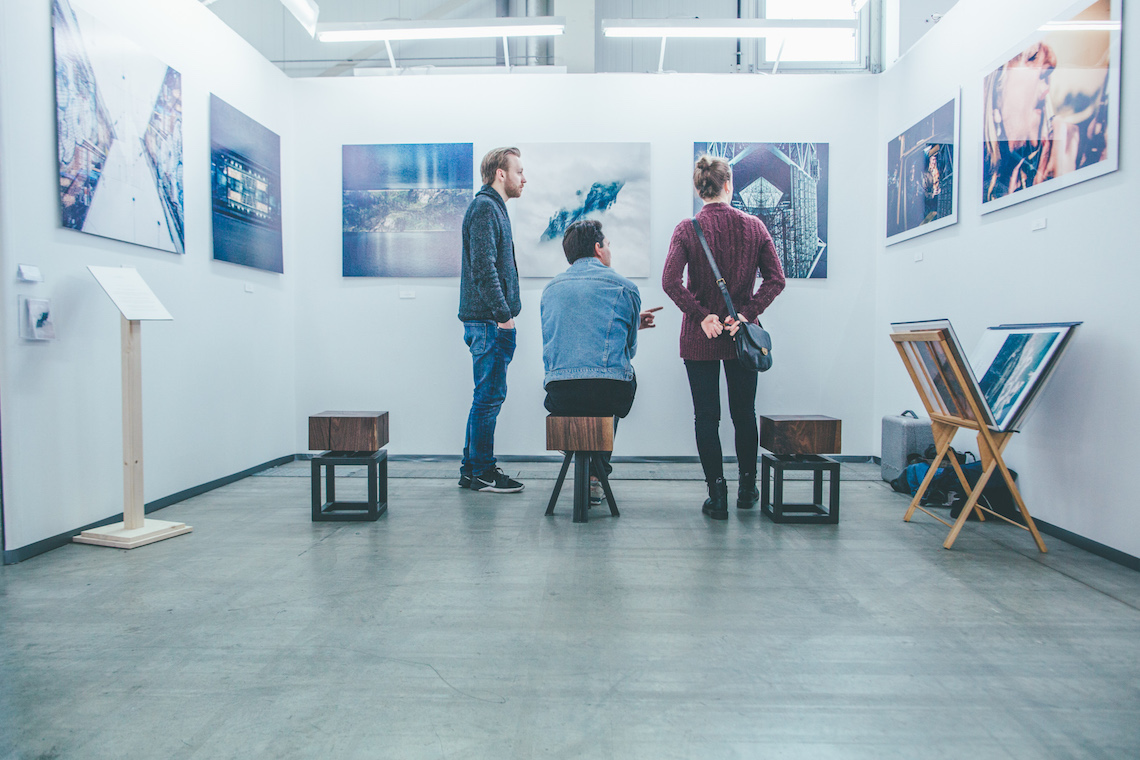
pixel 495 160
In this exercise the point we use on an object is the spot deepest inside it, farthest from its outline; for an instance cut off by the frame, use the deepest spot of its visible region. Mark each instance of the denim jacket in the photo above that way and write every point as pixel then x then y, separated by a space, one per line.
pixel 590 315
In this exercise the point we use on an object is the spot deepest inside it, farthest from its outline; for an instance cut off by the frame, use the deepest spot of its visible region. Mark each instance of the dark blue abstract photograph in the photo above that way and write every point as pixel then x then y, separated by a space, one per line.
pixel 245 170
pixel 784 185
pixel 566 182
pixel 403 208
pixel 921 176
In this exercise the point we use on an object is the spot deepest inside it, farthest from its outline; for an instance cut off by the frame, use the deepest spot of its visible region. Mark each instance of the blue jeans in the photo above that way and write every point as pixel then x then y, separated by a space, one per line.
pixel 492 349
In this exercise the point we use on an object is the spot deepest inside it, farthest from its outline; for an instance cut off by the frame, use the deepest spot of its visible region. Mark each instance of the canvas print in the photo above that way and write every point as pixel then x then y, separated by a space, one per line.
pixel 245 171
pixel 938 360
pixel 571 181
pixel 1051 108
pixel 922 177
pixel 1012 362
pixel 403 208
pixel 119 134
pixel 785 186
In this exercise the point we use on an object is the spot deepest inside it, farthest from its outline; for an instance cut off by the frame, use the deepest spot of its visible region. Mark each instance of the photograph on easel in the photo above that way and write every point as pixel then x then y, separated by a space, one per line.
pixel 1013 363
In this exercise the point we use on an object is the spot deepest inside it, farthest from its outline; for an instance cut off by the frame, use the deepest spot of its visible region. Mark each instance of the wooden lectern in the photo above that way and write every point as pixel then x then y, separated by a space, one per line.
pixel 136 302
pixel 939 373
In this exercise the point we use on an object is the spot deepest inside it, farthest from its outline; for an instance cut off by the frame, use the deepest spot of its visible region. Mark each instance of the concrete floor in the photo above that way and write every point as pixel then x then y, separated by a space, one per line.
pixel 466 625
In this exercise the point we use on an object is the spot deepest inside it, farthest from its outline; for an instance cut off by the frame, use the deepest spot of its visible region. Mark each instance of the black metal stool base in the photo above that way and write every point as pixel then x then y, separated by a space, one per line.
pixel 773 466
pixel 585 463
pixel 333 510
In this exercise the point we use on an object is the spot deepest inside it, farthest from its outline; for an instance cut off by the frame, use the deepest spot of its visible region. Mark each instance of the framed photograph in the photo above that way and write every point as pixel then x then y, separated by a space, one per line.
pixel 1013 363
pixel 119 134
pixel 1051 110
pixel 403 208
pixel 950 394
pixel 245 170
pixel 784 185
pixel 566 182
pixel 922 175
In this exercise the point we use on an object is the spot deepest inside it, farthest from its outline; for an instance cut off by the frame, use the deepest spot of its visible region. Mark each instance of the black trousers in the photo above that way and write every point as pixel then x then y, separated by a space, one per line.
pixel 704 382
pixel 593 397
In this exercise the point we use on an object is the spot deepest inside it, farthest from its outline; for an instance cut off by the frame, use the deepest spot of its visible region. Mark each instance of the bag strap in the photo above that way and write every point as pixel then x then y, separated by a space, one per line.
pixel 716 271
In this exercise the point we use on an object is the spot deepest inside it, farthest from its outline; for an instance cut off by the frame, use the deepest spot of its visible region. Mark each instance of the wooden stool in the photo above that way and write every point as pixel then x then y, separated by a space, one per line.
pixel 798 442
pixel 353 438
pixel 583 439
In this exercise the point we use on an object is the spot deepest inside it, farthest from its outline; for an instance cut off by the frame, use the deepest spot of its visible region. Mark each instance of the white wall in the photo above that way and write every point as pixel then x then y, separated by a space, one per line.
pixel 360 346
pixel 1077 454
pixel 218 384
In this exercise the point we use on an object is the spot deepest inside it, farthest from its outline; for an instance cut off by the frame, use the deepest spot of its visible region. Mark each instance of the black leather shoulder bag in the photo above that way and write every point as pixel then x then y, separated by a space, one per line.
pixel 753 343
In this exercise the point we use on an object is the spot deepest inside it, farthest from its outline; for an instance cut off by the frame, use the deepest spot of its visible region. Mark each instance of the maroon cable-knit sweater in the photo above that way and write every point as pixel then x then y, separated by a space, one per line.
pixel 740 245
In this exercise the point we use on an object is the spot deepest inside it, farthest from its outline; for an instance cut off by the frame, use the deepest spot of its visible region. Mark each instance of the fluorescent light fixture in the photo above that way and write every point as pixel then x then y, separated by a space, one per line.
pixel 717 28
pixel 459 29
pixel 1077 25
pixel 305 11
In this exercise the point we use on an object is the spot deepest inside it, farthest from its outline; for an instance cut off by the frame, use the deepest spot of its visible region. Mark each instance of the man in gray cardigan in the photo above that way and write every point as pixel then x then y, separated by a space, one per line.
pixel 488 304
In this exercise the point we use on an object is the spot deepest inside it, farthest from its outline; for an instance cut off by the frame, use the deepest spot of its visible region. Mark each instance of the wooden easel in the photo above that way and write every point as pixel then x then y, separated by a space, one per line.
pixel 952 404
pixel 136 302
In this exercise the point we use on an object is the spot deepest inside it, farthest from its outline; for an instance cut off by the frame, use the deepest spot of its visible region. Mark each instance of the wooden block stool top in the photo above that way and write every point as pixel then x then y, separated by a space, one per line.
pixel 583 439
pixel 348 431
pixel 579 433
pixel 800 434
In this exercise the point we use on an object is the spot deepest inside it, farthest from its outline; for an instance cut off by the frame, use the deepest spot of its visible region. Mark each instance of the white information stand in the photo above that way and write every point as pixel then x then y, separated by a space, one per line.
pixel 136 302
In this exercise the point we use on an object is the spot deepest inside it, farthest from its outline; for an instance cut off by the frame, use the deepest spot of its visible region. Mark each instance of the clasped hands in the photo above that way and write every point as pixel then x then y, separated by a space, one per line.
pixel 714 327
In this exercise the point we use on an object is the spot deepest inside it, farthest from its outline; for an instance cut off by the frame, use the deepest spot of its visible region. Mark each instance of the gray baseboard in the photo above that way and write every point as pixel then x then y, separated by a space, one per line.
pixel 12 556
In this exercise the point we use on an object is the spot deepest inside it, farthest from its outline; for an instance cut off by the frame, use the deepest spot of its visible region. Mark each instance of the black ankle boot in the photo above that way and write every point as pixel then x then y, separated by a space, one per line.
pixel 746 493
pixel 716 505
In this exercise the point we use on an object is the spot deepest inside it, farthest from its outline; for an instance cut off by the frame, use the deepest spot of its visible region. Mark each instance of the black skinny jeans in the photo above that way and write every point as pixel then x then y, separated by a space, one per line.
pixel 704 382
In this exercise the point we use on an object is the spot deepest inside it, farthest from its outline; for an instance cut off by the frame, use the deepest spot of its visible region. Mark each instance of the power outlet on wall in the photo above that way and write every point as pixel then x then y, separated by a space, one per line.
pixel 918 256
pixel 1040 224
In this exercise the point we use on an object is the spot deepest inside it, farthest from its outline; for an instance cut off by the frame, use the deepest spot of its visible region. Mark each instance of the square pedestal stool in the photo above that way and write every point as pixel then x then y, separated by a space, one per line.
pixel 798 442
pixel 772 504
pixel 353 438
pixel 328 508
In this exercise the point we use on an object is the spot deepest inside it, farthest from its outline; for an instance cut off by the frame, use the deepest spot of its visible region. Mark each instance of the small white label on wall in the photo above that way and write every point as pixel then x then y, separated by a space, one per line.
pixel 918 256
pixel 248 288
pixel 407 293
pixel 1040 224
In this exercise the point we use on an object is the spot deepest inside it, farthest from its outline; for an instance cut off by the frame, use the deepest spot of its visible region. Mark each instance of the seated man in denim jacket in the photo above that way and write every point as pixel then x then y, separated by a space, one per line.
pixel 590 318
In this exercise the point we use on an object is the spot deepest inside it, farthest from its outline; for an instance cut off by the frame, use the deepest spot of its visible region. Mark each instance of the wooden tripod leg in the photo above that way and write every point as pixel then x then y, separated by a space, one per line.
pixel 943 435
pixel 999 441
pixel 971 503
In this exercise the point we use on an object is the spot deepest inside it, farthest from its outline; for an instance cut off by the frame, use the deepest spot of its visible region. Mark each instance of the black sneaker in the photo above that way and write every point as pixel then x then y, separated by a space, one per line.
pixel 464 480
pixel 495 481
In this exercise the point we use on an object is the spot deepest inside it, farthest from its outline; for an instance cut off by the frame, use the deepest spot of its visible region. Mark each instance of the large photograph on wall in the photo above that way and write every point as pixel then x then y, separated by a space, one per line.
pixel 785 186
pixel 119 134
pixel 245 171
pixel 1051 107
pixel 403 208
pixel 922 176
pixel 571 181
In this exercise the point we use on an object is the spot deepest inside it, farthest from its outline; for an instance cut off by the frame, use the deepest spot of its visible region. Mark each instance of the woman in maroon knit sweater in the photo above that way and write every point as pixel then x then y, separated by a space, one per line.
pixel 741 245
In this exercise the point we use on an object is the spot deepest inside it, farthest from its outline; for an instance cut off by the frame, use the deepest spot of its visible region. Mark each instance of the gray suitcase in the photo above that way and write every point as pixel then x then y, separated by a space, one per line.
pixel 903 434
